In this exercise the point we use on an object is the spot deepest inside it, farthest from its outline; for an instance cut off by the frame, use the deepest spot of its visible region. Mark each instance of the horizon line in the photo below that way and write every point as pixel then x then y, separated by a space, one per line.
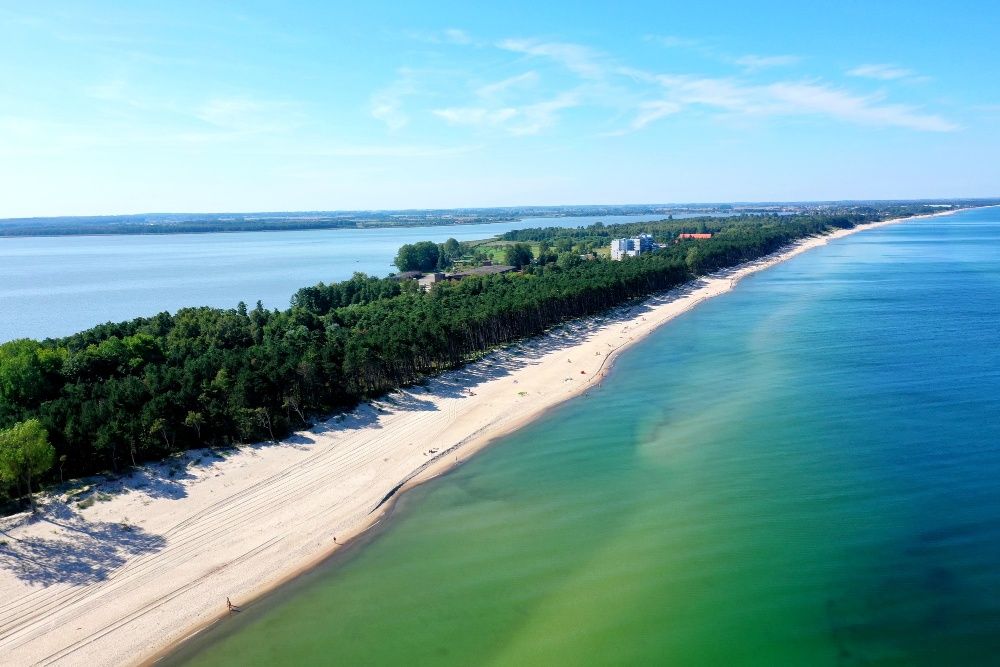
pixel 665 205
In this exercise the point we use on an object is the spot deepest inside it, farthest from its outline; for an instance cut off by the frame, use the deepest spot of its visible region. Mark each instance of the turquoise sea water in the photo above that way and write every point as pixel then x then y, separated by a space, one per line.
pixel 801 472
pixel 56 286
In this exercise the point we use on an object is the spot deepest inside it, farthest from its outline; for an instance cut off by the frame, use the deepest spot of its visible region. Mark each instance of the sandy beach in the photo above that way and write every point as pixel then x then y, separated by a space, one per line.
pixel 123 570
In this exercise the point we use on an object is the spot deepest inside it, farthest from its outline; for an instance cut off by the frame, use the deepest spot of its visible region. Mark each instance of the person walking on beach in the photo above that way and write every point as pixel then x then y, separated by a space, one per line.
pixel 229 604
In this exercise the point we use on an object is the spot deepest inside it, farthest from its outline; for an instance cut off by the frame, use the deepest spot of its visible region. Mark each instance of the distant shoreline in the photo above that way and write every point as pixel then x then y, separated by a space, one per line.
pixel 161 224
pixel 165 231
pixel 70 227
pixel 247 524
pixel 316 228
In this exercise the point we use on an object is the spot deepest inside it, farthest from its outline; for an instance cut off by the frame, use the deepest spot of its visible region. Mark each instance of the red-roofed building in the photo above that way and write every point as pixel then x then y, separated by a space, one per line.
pixel 693 236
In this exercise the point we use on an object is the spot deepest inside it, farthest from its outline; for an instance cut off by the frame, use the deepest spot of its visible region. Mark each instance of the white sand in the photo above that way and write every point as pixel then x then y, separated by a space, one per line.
pixel 119 581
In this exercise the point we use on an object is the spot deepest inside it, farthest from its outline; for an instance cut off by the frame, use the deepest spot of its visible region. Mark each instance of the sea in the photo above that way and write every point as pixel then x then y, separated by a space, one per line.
pixel 56 286
pixel 803 471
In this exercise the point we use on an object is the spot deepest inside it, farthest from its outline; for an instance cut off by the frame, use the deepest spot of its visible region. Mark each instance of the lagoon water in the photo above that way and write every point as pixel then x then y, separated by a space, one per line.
pixel 56 286
pixel 801 472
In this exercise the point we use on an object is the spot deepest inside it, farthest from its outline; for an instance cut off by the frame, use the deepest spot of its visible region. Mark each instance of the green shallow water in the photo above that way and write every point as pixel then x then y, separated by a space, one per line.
pixel 801 472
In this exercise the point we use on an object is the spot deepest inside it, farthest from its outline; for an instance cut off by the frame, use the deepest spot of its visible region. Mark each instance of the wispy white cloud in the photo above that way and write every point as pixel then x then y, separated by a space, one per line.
pixel 387 109
pixel 536 117
pixel 752 63
pixel 789 98
pixel 518 121
pixel 456 36
pixel 111 91
pixel 447 36
pixel 719 93
pixel 246 116
pixel 118 94
pixel 476 116
pixel 673 41
pixel 387 103
pixel 646 113
pixel 498 88
pixel 400 151
pixel 578 59
pixel 881 71
pixel 645 98
pixel 156 124
pixel 822 100
pixel 650 111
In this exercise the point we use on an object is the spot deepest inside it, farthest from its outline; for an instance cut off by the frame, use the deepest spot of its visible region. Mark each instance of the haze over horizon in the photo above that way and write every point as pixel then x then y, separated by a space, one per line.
pixel 528 207
pixel 212 109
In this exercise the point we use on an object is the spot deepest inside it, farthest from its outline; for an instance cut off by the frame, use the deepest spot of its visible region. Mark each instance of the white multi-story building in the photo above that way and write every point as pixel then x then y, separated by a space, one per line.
pixel 640 245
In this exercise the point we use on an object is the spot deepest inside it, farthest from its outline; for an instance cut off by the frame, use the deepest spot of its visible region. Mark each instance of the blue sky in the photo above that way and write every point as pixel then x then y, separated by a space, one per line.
pixel 203 106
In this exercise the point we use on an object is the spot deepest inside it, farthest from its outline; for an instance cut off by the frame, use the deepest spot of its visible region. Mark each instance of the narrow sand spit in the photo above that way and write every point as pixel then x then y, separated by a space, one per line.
pixel 156 555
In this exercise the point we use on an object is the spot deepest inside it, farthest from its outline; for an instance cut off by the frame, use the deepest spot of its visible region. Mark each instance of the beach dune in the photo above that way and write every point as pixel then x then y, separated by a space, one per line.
pixel 144 561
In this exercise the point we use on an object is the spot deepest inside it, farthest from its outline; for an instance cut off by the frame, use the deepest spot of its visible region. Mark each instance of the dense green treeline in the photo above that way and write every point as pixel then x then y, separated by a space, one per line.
pixel 669 229
pixel 428 256
pixel 118 394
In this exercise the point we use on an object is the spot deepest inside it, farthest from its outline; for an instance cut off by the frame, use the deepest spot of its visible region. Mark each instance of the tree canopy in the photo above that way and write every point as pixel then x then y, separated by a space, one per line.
pixel 420 256
pixel 25 453
pixel 518 255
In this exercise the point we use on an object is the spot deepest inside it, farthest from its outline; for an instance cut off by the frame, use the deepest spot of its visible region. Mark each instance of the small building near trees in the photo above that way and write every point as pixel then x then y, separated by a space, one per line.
pixel 431 279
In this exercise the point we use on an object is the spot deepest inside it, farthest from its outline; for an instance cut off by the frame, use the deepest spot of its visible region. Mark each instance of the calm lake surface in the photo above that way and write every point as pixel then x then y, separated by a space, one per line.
pixel 802 472
pixel 56 286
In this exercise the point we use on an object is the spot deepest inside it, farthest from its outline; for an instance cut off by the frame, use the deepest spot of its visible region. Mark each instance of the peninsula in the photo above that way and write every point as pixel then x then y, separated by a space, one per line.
pixel 117 570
